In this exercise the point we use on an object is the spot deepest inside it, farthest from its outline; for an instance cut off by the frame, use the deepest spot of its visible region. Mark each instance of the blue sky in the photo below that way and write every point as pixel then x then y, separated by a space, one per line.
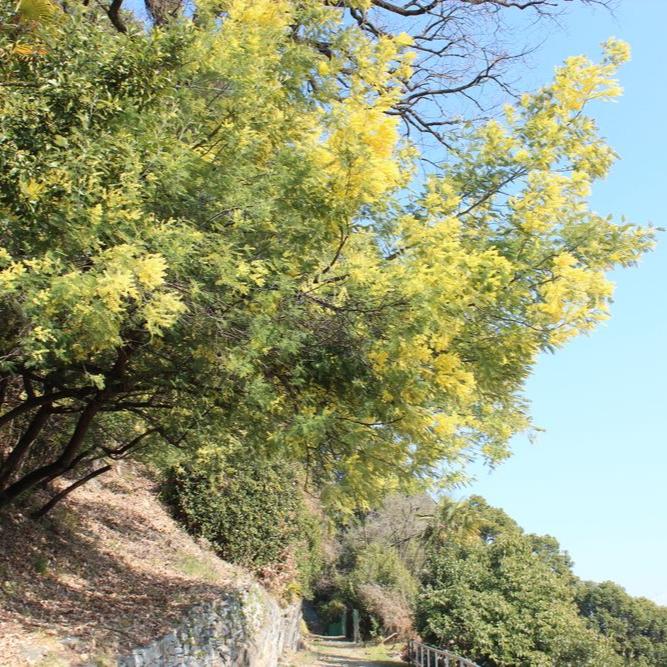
pixel 597 477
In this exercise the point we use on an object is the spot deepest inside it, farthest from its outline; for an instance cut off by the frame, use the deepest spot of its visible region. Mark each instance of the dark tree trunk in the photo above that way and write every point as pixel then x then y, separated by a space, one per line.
pixel 70 454
pixel 62 463
pixel 4 383
pixel 13 462
pixel 113 13
pixel 162 11
pixel 24 407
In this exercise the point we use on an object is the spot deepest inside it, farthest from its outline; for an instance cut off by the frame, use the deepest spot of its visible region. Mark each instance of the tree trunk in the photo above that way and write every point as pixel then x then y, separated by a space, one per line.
pixel 62 463
pixel 69 453
pixel 4 383
pixel 13 462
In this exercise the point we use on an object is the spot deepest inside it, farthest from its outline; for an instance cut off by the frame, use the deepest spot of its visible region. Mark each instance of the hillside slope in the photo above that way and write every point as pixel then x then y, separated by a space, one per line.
pixel 108 570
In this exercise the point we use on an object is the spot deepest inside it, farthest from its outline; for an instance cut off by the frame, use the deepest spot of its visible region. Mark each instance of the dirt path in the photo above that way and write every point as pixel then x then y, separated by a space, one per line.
pixel 333 652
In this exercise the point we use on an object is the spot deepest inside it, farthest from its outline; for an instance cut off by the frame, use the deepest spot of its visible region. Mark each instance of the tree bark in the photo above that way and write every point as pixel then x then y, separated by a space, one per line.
pixel 62 463
pixel 65 492
pixel 12 463
pixel 28 405
pixel 113 12
pixel 76 440
pixel 4 383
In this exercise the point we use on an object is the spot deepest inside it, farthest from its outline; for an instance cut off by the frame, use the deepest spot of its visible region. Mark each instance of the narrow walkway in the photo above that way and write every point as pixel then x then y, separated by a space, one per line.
pixel 335 652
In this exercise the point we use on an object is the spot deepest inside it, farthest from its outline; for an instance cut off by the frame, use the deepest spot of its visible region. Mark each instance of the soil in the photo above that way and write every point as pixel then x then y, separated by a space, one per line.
pixel 106 571
pixel 336 652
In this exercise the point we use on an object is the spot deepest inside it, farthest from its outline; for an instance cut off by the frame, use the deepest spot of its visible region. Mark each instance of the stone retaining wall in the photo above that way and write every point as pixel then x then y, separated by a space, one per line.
pixel 246 628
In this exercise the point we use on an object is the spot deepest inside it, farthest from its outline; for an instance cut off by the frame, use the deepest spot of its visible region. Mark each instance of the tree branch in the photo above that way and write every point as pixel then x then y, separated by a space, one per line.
pixel 65 492
pixel 113 12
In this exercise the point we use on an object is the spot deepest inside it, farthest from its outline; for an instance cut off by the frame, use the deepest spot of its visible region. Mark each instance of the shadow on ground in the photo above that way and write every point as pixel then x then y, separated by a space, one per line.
pixel 108 571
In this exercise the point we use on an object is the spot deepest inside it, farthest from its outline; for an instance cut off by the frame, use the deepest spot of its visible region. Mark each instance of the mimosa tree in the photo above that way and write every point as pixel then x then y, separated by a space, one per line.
pixel 212 238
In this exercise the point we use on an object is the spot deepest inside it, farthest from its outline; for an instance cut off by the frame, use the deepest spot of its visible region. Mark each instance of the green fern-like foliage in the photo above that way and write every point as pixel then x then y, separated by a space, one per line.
pixel 40 11
pixel 24 42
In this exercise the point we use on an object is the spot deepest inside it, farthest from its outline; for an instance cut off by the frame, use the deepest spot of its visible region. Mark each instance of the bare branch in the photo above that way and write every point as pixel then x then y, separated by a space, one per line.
pixel 66 491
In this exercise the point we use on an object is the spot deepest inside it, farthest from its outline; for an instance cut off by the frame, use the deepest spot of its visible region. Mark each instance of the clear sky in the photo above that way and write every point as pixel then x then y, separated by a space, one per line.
pixel 597 477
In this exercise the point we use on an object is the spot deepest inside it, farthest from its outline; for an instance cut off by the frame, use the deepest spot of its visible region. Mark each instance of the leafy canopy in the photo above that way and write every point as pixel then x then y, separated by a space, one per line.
pixel 211 236
pixel 636 627
pixel 506 599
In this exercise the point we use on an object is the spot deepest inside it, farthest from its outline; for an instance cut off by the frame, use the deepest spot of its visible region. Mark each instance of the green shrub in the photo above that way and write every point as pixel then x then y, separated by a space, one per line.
pixel 252 513
pixel 383 589
pixel 309 553
pixel 331 610
pixel 506 602
pixel 382 566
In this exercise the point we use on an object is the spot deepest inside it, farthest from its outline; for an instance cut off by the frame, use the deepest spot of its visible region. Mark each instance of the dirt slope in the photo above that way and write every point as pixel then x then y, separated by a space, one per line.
pixel 106 571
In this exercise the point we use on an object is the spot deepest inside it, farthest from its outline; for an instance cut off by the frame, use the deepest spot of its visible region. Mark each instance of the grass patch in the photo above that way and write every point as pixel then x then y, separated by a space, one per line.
pixel 53 659
pixel 41 564
pixel 382 652
pixel 196 567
